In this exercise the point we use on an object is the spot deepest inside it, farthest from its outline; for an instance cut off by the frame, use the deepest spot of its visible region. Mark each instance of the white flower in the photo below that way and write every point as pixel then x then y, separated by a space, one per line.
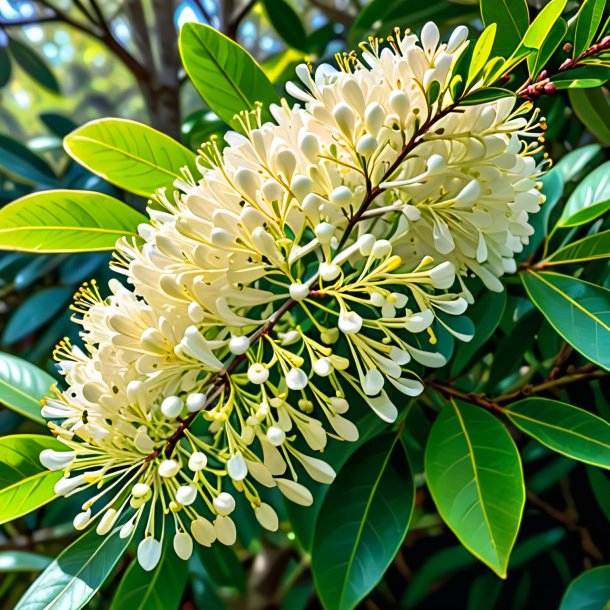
pixel 258 373
pixel 149 553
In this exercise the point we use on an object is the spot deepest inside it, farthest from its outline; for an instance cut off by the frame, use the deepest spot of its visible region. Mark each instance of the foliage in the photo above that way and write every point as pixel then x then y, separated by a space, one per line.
pixel 492 454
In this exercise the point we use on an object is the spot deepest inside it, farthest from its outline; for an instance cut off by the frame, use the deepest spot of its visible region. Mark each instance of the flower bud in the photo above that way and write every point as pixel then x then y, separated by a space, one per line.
pixel 172 406
pixel 186 494
pixel 258 373
pixel 239 345
pixel 197 461
pixel 168 468
pixel 224 503
pixel 195 402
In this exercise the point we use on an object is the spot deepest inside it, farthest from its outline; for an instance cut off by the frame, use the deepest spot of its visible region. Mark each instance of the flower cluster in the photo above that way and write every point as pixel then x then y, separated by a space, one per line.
pixel 308 268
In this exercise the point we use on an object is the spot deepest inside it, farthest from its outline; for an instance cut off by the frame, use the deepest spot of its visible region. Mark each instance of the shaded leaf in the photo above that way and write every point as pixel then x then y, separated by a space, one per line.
pixel 594 188
pixel 19 161
pixel 589 591
pixel 366 515
pixel 513 18
pixel 33 65
pixel 593 247
pixel 593 109
pixel 22 561
pixel 23 385
pixel 286 23
pixel 5 67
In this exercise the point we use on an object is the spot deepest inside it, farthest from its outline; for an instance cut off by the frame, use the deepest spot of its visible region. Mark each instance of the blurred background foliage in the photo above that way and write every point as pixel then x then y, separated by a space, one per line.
pixel 64 62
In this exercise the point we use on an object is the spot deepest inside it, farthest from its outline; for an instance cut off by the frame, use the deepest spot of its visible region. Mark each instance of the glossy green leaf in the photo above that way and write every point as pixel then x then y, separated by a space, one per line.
pixel 589 591
pixel 593 109
pixel 474 475
pixel 487 94
pixel 486 313
pixel 6 68
pixel 593 247
pixel 366 514
pixel 575 161
pixel 23 385
pixel 586 215
pixel 35 312
pixel 286 23
pixel 591 190
pixel 158 590
pixel 582 78
pixel 587 24
pixel 130 155
pixel 226 76
pixel 577 310
pixel 566 429
pixel 512 18
pixel 77 573
pixel 555 37
pixel 540 28
pixel 33 65
pixel 481 52
pixel 22 561
pixel 25 484
pixel 23 164
pixel 66 221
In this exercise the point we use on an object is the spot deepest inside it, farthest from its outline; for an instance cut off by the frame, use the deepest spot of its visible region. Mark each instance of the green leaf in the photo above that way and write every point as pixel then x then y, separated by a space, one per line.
pixel 486 94
pixel 160 590
pixel 474 475
pixel 481 53
pixel 366 514
pixel 593 247
pixel 591 190
pixel 5 67
pixel 601 489
pixel 66 221
pixel 226 76
pixel 540 28
pixel 577 310
pixel 575 161
pixel 222 566
pixel 25 484
pixel 286 23
pixel 36 311
pixel 20 162
pixel 513 18
pixel 589 591
pixel 593 109
pixel 537 61
pixel 587 24
pixel 22 561
pixel 582 78
pixel 33 65
pixel 128 154
pixel 23 385
pixel 77 573
pixel 486 314
pixel 566 429
pixel 586 214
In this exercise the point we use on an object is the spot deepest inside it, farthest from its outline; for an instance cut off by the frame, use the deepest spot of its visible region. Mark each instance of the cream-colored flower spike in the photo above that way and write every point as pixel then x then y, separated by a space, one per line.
pixel 305 274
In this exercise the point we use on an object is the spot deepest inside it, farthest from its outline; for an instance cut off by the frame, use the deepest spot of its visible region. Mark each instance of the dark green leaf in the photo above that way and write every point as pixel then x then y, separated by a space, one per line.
pixel 366 514
pixel 20 162
pixel 160 590
pixel 591 190
pixel 130 155
pixel 77 573
pixel 474 475
pixel 582 78
pixel 589 591
pixel 286 23
pixel 577 310
pixel 512 18
pixel 25 484
pixel 33 65
pixel 23 385
pixel 488 94
pixel 586 215
pixel 486 314
pixel 600 484
pixel 58 124
pixel 225 75
pixel 587 24
pixel 593 109
pixel 5 67
pixel 66 221
pixel 222 566
pixel 566 429
pixel 593 247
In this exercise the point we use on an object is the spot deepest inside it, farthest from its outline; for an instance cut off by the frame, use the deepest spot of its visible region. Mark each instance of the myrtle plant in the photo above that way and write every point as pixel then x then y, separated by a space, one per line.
pixel 305 283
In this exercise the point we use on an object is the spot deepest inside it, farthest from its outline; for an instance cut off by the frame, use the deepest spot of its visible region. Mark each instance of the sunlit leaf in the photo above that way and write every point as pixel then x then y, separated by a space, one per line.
pixel 474 474
pixel 540 28
pixel 587 24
